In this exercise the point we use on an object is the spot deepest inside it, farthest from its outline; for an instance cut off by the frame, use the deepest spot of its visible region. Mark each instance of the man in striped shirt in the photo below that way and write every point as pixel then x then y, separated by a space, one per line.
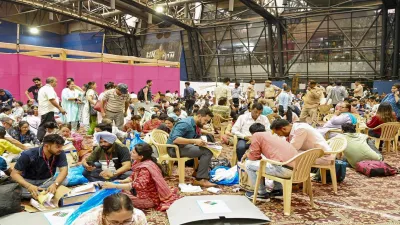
pixel 115 103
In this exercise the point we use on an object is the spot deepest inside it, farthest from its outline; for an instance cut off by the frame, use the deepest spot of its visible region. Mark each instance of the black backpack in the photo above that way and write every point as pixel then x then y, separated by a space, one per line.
pixel 140 95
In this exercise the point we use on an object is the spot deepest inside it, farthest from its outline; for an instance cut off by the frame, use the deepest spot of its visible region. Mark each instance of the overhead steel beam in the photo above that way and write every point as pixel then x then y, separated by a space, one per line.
pixel 160 15
pixel 259 10
pixel 72 14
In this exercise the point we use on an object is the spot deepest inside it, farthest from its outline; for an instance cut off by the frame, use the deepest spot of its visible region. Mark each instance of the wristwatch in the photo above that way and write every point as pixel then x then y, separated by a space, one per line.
pixel 57 184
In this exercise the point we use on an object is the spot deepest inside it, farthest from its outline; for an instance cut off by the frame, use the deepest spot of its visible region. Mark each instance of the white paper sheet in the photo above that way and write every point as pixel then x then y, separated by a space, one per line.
pixel 58 217
pixel 213 206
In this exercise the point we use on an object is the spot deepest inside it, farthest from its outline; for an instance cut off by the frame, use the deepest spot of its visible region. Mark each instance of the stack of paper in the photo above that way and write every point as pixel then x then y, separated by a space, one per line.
pixel 58 217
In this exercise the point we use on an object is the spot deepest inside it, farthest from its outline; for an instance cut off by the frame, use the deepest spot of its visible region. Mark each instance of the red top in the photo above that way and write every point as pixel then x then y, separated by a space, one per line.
pixel 149 126
pixel 374 122
pixel 145 186
pixel 131 125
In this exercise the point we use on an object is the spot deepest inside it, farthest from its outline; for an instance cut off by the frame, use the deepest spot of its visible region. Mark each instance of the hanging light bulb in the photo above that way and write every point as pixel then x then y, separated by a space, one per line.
pixel 34 30
pixel 159 9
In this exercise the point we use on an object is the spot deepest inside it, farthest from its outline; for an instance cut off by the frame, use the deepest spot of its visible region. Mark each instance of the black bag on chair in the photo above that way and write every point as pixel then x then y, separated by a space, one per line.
pixel 10 196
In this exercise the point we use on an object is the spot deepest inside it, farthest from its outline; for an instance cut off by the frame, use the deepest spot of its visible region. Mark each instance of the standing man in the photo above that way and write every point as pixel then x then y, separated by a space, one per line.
pixel 36 167
pixel 115 104
pixel 358 90
pixel 323 91
pixel 242 125
pixel 271 92
pixel 337 94
pixel 236 93
pixel 147 92
pixel 311 100
pixel 251 93
pixel 224 91
pixel 284 100
pixel 190 99
pixel 186 134
pixel 6 97
pixel 48 104
pixel 329 88
pixel 34 89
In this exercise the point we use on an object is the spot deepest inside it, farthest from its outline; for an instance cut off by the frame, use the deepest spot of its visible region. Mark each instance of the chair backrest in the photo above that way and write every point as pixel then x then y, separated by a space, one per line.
pixel 159 138
pixel 338 144
pixel 303 163
pixel 271 118
pixel 324 109
pixel 216 120
pixel 389 130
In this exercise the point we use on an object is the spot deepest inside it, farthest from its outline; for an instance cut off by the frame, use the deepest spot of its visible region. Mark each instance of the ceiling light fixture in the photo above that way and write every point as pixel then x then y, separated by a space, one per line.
pixel 159 9
pixel 34 30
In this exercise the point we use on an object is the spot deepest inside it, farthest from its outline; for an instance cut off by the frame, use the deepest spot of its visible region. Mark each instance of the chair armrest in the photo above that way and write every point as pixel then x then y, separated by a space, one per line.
pixel 333 152
pixel 178 155
pixel 274 162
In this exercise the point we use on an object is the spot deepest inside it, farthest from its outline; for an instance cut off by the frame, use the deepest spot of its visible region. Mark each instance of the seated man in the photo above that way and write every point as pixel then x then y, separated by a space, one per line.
pixel 272 147
pixel 242 125
pixel 152 124
pixel 108 161
pixel 358 149
pixel 176 114
pixel 222 109
pixel 303 137
pixel 133 124
pixel 36 167
pixel 186 134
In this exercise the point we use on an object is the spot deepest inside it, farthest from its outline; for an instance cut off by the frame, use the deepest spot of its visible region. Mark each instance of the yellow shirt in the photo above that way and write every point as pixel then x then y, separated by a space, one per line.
pixel 312 98
pixel 223 91
pixel 7 146
pixel 269 92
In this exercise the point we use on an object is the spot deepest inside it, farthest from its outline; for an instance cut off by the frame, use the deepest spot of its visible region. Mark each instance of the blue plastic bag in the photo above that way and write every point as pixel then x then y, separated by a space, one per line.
pixel 136 140
pixel 75 176
pixel 92 202
pixel 228 182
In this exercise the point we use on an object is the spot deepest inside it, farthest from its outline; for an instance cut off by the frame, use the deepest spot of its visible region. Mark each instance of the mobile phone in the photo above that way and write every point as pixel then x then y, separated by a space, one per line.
pixel 90 164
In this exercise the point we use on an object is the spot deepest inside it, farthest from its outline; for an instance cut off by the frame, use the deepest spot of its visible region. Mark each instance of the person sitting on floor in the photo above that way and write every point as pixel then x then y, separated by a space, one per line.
pixel 186 134
pixel 5 112
pixel 18 112
pixel 133 124
pixel 36 167
pixel 116 209
pixel 146 187
pixel 167 125
pixel 33 119
pixel 242 125
pixel 303 137
pixel 9 123
pixel 266 109
pixel 358 147
pixel 342 116
pixel 151 124
pixel 273 147
pixel 24 135
pixel 146 115
pixel 384 114
pixel 222 109
pixel 115 130
pixel 51 128
pixel 7 147
pixel 108 161
pixel 176 114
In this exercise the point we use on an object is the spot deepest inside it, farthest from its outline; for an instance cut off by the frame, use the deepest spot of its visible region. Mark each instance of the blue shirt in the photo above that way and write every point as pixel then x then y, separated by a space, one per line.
pixel 392 101
pixel 284 100
pixel 266 111
pixel 185 128
pixel 188 92
pixel 7 96
pixel 34 167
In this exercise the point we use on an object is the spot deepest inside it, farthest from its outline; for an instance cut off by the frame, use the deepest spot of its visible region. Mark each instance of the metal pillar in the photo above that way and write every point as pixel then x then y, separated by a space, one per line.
pixel 199 61
pixel 271 50
pixel 395 71
pixel 192 55
pixel 279 37
pixel 383 40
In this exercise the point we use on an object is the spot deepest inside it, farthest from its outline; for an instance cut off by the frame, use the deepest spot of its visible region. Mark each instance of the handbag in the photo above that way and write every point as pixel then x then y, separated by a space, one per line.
pixel 97 106
pixel 92 112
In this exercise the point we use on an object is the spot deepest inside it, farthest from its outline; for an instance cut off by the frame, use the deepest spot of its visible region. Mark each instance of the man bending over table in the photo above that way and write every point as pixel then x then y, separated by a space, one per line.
pixel 36 167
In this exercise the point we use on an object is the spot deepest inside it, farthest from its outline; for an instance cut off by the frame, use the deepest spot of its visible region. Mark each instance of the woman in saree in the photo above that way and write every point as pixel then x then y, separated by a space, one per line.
pixel 146 187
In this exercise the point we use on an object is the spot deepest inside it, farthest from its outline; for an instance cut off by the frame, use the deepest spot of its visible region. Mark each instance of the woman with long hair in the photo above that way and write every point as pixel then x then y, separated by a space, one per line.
pixel 146 187
pixel 70 103
pixel 384 114
pixel 88 114
pixel 24 135
pixel 393 99
pixel 116 209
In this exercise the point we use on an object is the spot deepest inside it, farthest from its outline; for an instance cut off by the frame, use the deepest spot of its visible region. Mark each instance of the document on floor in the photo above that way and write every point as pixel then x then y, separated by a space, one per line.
pixel 58 217
pixel 213 206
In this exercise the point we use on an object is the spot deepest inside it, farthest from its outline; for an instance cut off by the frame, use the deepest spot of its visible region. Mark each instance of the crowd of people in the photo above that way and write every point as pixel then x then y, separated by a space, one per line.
pixel 275 123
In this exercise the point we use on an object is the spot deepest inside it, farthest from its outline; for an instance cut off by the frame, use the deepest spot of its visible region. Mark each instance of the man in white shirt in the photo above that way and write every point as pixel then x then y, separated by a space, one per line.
pixel 224 91
pixel 242 125
pixel 48 104
pixel 329 88
pixel 358 90
pixel 302 136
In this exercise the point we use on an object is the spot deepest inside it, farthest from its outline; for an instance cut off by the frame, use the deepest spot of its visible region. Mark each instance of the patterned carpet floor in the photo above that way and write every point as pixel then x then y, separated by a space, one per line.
pixel 360 200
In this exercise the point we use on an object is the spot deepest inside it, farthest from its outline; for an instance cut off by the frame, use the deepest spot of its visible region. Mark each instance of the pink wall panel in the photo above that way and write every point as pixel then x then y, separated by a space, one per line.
pixel 17 71
pixel 85 72
pixel 8 64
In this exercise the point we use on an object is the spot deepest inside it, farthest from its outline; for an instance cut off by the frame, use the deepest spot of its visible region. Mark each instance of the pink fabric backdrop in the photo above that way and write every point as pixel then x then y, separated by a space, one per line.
pixel 17 71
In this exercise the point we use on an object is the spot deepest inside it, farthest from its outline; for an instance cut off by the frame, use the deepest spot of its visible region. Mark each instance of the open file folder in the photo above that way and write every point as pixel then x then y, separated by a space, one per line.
pixel 215 210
